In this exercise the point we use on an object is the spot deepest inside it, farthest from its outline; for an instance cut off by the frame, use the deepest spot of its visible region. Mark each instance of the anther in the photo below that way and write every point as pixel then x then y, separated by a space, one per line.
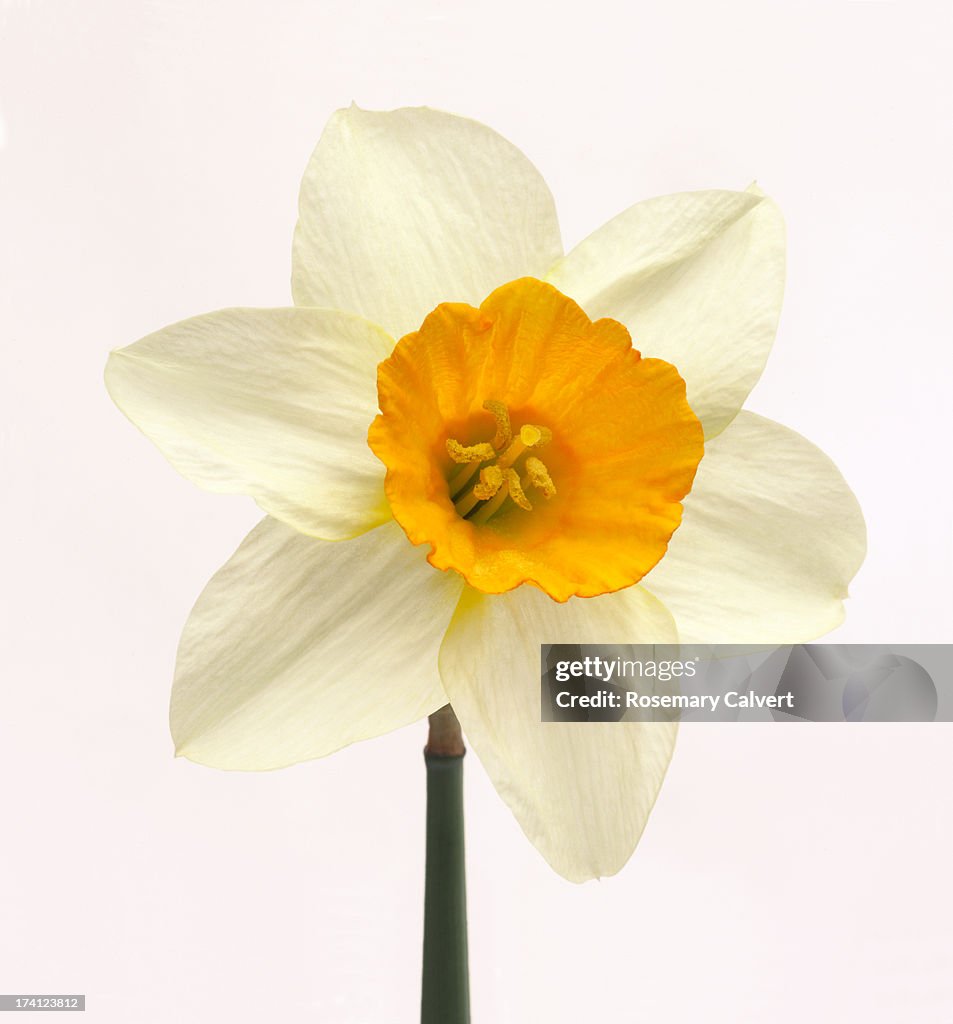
pixel 516 490
pixel 470 453
pixel 535 437
pixel 538 475
pixel 490 508
pixel 504 432
pixel 529 437
pixel 491 480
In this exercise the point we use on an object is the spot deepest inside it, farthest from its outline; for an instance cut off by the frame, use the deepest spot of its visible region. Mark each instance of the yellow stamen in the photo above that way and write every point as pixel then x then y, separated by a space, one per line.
pixel 516 490
pixel 491 480
pixel 470 453
pixel 484 512
pixel 498 480
pixel 538 475
pixel 529 437
pixel 534 437
pixel 504 432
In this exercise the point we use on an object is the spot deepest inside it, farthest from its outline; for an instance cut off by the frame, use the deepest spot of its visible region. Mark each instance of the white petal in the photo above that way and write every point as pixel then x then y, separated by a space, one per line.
pixel 581 791
pixel 274 403
pixel 298 647
pixel 698 280
pixel 770 538
pixel 403 210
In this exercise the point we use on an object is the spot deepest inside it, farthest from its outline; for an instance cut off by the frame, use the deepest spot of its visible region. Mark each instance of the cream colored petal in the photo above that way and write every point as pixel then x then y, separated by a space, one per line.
pixel 274 403
pixel 770 538
pixel 581 791
pixel 402 210
pixel 698 280
pixel 298 647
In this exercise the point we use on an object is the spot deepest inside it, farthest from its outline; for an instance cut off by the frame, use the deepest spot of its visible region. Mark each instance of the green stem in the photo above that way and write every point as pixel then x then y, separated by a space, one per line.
pixel 446 985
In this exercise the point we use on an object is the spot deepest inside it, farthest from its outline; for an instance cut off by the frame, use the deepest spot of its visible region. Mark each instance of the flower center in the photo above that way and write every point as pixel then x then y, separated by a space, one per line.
pixel 500 476
pixel 578 488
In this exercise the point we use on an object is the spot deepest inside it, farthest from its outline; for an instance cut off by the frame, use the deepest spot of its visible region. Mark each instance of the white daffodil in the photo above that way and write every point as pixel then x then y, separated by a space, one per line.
pixel 510 472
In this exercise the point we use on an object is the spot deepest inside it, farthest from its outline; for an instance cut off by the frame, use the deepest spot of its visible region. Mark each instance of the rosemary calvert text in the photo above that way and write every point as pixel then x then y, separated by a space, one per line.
pixel 633 699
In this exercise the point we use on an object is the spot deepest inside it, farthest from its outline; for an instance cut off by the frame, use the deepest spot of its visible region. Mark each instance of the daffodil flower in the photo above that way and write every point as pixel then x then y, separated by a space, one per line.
pixel 510 471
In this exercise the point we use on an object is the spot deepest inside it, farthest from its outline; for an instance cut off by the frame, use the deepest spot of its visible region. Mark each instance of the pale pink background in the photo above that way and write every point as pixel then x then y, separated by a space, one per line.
pixel 149 170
